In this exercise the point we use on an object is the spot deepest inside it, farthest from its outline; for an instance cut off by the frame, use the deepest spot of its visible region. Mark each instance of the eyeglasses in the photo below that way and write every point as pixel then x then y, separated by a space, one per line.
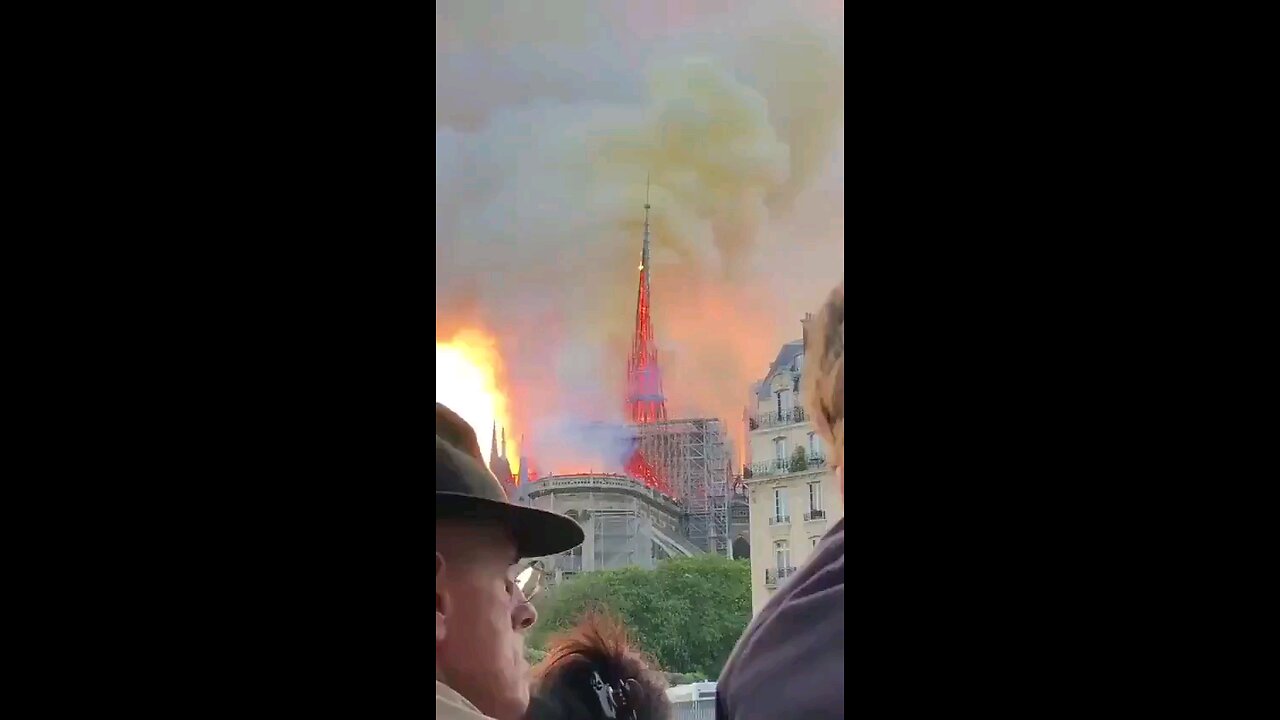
pixel 529 580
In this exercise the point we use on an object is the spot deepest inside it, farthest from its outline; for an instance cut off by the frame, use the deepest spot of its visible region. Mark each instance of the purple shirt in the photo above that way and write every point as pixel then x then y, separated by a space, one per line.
pixel 790 661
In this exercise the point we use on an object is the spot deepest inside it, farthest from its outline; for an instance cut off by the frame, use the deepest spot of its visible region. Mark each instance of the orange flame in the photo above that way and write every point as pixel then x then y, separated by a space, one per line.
pixel 468 381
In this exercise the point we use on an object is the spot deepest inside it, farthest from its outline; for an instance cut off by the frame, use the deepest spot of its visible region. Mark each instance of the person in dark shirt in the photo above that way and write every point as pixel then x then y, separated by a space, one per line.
pixel 790 661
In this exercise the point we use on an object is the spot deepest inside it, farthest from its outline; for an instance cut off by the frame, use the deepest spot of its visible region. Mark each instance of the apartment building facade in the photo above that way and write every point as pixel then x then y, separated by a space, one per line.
pixel 793 492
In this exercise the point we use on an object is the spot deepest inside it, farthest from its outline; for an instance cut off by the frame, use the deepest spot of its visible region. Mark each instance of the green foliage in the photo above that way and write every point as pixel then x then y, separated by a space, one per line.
pixel 688 613
pixel 674 679
pixel 534 655
pixel 798 461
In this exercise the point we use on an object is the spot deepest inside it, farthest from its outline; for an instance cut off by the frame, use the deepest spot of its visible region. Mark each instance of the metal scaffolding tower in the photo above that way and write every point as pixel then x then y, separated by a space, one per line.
pixel 687 459
pixel 694 457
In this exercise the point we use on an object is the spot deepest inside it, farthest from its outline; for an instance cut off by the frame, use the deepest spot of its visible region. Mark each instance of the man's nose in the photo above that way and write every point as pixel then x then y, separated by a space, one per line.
pixel 524 616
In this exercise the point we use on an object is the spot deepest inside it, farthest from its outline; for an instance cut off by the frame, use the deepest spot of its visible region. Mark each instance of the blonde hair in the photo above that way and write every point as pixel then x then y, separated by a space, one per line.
pixel 824 372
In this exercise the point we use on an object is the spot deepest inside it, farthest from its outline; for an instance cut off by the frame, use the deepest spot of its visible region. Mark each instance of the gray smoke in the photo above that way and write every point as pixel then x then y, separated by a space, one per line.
pixel 549 117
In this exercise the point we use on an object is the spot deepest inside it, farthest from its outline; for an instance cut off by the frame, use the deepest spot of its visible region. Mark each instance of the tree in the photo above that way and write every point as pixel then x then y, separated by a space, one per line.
pixel 688 613
pixel 674 679
pixel 798 461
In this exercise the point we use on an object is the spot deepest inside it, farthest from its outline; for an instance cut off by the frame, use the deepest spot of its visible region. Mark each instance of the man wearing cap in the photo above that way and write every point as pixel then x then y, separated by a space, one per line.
pixel 482 611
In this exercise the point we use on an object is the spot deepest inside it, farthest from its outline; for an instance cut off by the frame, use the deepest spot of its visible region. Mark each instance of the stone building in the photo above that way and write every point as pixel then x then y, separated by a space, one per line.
pixel 625 523
pixel 793 492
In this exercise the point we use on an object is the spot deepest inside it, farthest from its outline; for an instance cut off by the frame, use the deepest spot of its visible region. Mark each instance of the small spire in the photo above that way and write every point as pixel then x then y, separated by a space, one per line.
pixel 644 253
pixel 504 442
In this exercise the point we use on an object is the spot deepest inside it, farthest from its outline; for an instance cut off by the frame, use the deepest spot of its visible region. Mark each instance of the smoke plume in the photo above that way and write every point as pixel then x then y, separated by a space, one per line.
pixel 551 116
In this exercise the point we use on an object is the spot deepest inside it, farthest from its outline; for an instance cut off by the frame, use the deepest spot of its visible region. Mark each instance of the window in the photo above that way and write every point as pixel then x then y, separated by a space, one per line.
pixel 779 503
pixel 813 443
pixel 815 496
pixel 573 560
pixel 780 448
pixel 779 395
pixel 782 555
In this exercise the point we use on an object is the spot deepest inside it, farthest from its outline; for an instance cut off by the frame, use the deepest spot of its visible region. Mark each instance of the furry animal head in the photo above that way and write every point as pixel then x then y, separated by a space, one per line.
pixel 592 672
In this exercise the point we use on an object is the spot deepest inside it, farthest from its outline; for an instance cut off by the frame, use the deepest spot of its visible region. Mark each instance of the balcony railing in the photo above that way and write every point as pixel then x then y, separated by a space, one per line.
pixel 815 515
pixel 774 419
pixel 779 519
pixel 769 468
pixel 774 576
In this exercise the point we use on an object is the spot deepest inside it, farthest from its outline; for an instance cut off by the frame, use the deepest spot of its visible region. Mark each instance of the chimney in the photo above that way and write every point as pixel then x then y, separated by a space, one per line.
pixel 804 325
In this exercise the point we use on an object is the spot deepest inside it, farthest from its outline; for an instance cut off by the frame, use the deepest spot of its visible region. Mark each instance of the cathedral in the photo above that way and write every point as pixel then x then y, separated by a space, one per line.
pixel 500 466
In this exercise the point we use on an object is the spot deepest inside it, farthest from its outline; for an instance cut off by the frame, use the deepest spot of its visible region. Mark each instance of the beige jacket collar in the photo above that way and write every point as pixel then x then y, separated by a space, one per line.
pixel 452 706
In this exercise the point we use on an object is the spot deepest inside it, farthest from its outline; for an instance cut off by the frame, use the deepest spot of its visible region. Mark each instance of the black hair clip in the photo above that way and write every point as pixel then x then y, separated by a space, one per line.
pixel 625 710
pixel 615 700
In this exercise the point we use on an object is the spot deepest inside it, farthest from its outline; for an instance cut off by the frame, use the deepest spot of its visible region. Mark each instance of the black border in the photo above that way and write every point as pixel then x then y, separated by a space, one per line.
pixel 274 361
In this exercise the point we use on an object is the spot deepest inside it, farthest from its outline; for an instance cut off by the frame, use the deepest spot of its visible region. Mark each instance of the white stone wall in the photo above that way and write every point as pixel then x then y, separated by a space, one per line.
pixel 794 430
pixel 798 532
pixel 583 497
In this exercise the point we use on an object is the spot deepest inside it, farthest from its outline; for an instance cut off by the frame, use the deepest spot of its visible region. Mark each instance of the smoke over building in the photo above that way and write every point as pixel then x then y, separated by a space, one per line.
pixel 543 144
pixel 688 463
pixel 548 118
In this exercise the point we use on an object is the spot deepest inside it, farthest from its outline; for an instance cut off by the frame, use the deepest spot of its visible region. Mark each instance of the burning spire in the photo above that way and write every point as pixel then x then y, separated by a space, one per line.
pixel 645 401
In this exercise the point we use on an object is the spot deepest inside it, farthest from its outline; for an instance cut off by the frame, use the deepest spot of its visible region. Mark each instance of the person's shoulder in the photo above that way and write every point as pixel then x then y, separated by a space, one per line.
pixel 833 540
pixel 822 575
pixel 452 706
pixel 796 642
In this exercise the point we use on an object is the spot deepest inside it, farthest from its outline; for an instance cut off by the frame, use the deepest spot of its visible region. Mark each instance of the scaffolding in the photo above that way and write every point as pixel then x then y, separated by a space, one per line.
pixel 693 457
pixel 615 538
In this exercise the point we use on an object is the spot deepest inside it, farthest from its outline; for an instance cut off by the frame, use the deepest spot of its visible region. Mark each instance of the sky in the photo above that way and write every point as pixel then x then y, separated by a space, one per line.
pixel 550 116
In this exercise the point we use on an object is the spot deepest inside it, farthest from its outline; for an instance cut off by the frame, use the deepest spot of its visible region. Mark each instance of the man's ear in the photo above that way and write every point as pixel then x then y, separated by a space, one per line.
pixel 442 599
